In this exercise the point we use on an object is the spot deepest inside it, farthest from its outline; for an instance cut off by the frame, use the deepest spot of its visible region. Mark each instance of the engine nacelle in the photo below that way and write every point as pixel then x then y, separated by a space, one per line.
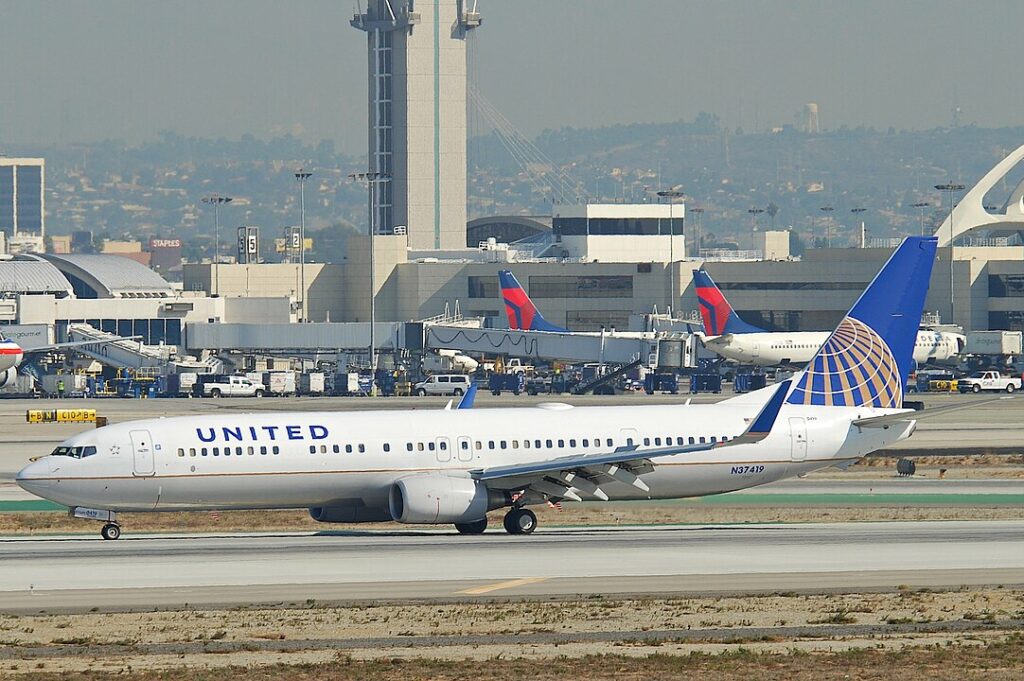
pixel 349 513
pixel 8 377
pixel 437 498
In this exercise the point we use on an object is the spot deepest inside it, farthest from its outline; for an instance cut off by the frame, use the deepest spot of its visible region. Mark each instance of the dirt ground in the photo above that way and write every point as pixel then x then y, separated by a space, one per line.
pixel 783 636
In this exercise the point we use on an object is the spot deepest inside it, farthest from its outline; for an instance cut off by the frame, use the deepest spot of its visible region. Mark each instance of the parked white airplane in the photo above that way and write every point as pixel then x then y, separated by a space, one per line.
pixel 732 338
pixel 454 466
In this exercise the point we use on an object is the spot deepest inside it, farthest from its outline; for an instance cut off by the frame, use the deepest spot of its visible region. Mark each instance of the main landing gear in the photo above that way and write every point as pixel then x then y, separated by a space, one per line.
pixel 111 531
pixel 520 521
pixel 517 521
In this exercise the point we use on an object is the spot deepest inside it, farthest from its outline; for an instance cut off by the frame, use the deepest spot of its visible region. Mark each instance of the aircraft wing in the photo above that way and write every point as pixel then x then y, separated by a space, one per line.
pixel 561 478
pixel 916 415
pixel 77 344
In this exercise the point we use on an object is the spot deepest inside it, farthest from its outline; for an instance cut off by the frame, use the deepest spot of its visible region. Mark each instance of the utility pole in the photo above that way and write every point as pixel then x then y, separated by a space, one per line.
pixel 827 210
pixel 670 195
pixel 301 175
pixel 216 200
pixel 921 205
pixel 863 232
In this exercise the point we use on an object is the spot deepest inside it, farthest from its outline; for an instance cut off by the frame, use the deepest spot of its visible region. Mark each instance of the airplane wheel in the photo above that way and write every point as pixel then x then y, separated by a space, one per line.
pixel 475 527
pixel 111 531
pixel 520 521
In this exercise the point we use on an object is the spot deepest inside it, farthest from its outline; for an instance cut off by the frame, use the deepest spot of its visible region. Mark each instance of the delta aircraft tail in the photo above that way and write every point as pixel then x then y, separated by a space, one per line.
pixel 866 360
pixel 716 312
pixel 523 315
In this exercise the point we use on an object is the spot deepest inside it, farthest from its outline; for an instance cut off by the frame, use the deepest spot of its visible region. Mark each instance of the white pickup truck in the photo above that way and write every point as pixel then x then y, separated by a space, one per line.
pixel 988 380
pixel 233 386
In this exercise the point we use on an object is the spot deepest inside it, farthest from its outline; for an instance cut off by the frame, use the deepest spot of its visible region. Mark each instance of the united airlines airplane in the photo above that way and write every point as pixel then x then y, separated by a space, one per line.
pixel 453 466
pixel 732 338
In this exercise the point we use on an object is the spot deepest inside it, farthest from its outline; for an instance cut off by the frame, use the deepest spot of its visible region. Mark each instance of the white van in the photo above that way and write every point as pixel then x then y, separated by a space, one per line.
pixel 443 384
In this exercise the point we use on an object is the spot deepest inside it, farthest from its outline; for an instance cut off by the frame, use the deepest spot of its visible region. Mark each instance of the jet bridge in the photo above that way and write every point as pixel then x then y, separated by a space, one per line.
pixel 121 353
pixel 665 350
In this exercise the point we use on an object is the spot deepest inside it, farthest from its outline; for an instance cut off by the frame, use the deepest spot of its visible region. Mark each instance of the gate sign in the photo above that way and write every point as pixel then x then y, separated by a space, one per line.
pixel 248 244
pixel 60 416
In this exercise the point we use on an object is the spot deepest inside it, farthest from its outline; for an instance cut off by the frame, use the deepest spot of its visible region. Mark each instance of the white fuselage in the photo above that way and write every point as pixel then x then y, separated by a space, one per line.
pixel 351 459
pixel 798 347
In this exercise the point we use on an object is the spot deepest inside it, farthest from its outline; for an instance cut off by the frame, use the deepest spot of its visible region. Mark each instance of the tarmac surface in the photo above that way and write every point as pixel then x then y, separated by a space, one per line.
pixel 75 573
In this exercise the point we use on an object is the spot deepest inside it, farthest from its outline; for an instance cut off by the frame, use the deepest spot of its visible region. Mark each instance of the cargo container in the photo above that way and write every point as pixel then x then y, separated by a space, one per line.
pixel 1000 343
pixel 279 382
pixel 180 385
pixel 311 383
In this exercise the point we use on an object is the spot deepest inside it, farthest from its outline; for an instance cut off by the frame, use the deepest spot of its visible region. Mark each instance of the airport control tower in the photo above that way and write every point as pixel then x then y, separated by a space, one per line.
pixel 417 123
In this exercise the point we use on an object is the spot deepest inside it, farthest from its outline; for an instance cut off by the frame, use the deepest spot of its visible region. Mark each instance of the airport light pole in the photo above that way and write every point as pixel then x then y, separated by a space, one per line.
pixel 671 195
pixel 827 210
pixel 216 200
pixel 301 175
pixel 950 188
pixel 921 205
pixel 863 232
pixel 372 179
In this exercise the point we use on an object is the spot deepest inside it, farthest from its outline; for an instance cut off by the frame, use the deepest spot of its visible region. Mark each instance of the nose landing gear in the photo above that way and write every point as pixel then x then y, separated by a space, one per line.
pixel 111 531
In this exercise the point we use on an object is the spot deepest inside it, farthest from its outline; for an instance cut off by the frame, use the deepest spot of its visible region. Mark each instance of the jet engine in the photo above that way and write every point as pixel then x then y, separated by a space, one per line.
pixel 8 377
pixel 433 498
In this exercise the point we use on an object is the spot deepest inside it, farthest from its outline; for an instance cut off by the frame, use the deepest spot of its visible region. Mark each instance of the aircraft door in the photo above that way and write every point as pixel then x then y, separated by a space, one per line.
pixel 798 443
pixel 142 453
pixel 464 449
pixel 443 449
pixel 755 350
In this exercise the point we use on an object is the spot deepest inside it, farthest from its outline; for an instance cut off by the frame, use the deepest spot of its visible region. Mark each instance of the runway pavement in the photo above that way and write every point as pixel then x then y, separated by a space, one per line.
pixel 146 572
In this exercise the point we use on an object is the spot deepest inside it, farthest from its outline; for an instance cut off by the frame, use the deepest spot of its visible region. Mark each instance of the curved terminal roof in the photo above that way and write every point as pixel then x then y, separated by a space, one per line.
pixel 109 276
pixel 31 274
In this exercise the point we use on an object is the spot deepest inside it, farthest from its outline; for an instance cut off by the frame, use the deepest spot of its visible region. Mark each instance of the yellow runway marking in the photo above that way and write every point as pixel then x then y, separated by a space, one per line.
pixel 488 588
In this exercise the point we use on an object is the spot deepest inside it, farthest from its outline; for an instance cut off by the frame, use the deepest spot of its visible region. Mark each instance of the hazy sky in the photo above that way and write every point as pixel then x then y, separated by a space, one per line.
pixel 87 70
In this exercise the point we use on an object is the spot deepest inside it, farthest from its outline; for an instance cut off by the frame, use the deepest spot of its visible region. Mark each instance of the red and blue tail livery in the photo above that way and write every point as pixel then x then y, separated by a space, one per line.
pixel 717 314
pixel 523 315
pixel 866 360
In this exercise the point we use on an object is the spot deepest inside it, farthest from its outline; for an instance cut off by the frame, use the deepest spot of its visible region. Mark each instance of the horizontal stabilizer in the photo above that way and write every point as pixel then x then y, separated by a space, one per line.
pixel 910 415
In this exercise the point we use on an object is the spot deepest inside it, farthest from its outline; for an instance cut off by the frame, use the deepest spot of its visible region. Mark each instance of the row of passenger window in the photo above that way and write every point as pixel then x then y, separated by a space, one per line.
pixel 442 445
pixel 336 449
pixel 228 451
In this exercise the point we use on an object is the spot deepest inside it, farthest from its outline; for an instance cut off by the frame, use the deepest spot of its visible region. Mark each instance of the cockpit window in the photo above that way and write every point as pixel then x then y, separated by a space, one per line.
pixel 74 452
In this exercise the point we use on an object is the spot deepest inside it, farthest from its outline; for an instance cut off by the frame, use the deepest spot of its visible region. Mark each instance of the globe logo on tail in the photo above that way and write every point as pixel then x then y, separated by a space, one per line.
pixel 854 368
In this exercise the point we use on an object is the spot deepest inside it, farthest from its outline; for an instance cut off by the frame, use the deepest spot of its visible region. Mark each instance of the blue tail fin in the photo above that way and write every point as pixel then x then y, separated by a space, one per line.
pixel 866 360
pixel 717 314
pixel 523 315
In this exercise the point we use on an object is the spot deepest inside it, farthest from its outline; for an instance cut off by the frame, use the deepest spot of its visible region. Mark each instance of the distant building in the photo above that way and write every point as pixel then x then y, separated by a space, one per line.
pixel 22 197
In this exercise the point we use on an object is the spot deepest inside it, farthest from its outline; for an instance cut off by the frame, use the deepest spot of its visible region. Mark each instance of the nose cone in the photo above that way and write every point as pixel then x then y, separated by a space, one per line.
pixel 36 477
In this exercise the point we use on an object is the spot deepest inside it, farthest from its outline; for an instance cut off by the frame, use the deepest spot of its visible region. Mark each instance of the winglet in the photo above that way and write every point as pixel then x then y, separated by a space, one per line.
pixel 467 400
pixel 762 424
